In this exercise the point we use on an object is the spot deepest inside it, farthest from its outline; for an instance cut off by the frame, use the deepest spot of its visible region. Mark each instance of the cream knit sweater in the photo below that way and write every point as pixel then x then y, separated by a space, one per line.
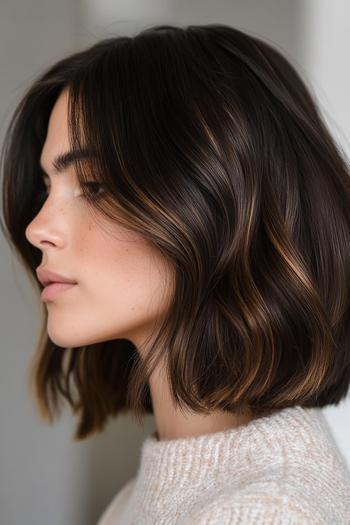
pixel 284 468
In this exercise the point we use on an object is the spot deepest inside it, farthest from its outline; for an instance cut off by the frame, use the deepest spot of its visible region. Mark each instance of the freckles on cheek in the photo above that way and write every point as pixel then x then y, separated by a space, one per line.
pixel 117 261
pixel 92 243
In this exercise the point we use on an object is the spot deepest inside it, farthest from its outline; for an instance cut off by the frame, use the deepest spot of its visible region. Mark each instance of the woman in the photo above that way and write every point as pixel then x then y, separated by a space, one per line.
pixel 185 187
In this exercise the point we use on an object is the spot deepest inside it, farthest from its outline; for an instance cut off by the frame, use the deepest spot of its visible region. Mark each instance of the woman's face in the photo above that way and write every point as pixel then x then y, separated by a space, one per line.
pixel 121 288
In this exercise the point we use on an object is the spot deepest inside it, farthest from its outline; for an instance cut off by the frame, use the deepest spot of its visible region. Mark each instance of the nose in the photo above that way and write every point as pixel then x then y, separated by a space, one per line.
pixel 43 230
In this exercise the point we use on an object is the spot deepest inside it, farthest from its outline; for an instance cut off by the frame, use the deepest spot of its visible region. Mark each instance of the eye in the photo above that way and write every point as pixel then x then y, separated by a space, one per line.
pixel 94 188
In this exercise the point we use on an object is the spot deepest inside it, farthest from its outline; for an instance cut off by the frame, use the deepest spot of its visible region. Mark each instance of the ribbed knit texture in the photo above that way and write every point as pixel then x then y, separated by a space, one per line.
pixel 284 468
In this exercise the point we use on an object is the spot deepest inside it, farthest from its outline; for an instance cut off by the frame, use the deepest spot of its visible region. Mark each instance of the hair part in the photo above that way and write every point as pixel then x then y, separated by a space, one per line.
pixel 210 145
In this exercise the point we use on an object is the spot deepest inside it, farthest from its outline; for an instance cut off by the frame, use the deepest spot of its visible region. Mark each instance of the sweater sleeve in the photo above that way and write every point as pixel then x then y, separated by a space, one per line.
pixel 115 506
pixel 255 509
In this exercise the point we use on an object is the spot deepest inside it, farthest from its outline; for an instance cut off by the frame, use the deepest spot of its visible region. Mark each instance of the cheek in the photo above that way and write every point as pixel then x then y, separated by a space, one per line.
pixel 127 280
pixel 123 282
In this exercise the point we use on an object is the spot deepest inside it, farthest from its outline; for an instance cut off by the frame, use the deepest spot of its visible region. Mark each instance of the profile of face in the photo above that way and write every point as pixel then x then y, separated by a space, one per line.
pixel 121 279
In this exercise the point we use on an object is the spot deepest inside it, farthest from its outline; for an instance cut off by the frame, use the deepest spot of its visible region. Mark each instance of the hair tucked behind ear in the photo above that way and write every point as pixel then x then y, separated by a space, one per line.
pixel 211 146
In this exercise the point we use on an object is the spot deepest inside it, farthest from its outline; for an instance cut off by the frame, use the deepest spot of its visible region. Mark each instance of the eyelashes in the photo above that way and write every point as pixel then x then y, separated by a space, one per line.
pixel 94 189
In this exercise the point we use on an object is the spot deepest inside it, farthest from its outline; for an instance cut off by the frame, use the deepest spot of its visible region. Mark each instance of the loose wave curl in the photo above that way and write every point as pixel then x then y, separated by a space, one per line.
pixel 212 148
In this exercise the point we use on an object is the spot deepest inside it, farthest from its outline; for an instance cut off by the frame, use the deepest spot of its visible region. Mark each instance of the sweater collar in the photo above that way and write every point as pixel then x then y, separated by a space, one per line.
pixel 170 468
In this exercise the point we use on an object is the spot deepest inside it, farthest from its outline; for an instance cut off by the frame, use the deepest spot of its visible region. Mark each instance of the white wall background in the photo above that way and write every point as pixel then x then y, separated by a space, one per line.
pixel 44 476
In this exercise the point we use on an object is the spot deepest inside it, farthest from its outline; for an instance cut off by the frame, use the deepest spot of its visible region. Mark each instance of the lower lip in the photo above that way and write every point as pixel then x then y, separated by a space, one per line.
pixel 53 290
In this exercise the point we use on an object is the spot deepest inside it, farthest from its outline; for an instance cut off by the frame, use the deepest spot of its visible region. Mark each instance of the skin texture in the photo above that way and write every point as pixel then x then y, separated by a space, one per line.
pixel 121 289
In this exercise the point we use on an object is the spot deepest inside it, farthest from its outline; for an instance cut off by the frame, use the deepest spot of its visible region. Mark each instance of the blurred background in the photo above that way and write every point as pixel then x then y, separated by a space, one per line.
pixel 45 478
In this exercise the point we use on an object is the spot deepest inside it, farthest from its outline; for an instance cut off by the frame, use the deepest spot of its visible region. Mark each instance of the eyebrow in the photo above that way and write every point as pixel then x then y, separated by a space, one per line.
pixel 64 160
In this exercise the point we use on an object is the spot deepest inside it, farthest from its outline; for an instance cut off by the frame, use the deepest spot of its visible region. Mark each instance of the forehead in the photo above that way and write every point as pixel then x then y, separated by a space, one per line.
pixel 57 140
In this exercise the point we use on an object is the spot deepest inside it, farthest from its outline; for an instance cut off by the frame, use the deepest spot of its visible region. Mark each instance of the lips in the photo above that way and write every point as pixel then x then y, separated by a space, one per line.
pixel 46 277
pixel 55 290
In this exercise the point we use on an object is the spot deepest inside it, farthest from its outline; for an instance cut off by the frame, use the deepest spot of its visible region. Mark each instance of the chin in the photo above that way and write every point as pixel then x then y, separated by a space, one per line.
pixel 75 342
pixel 67 342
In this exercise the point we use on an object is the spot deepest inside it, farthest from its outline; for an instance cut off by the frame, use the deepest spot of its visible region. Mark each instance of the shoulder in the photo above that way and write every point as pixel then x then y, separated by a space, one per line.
pixel 303 488
pixel 117 503
pixel 261 506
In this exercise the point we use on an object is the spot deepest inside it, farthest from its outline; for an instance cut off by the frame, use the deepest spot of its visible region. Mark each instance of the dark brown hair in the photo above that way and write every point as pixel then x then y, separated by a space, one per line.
pixel 210 145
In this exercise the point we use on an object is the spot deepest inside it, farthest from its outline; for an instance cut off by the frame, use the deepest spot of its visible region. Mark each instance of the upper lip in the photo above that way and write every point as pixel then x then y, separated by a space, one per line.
pixel 46 277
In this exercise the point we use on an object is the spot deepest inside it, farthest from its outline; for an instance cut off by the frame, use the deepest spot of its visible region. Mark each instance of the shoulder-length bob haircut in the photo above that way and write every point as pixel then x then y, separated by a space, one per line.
pixel 211 146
